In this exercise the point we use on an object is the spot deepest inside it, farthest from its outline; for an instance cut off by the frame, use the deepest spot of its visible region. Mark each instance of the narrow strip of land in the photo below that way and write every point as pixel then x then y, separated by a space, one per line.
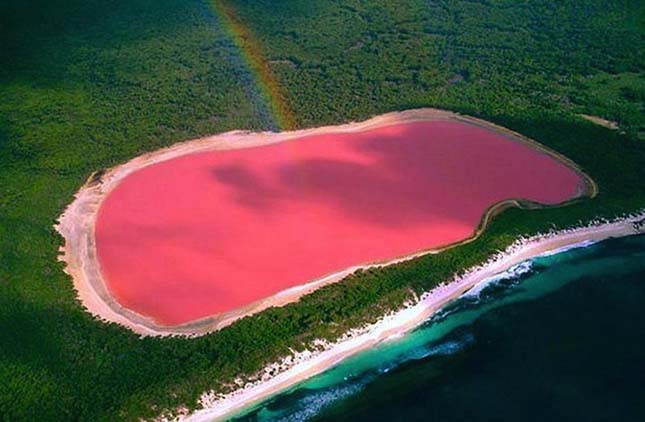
pixel 293 371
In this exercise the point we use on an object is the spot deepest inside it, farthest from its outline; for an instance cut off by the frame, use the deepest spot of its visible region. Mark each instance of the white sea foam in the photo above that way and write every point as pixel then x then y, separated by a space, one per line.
pixel 514 272
pixel 584 244
pixel 445 348
pixel 311 405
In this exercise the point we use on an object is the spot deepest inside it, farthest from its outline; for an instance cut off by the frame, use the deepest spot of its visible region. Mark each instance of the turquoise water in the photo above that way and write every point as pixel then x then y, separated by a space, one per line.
pixel 561 337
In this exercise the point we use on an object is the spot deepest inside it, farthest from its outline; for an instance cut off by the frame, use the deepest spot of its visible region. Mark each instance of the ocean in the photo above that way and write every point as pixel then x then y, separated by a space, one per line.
pixel 557 338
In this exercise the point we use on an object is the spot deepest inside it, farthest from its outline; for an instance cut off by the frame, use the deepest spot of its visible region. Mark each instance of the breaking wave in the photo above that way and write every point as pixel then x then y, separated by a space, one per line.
pixel 312 403
pixel 584 244
pixel 515 273
pixel 486 290
pixel 449 346
pixel 308 403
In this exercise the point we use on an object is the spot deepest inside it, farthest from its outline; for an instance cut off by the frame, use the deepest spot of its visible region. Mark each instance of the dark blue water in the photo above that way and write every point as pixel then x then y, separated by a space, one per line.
pixel 561 338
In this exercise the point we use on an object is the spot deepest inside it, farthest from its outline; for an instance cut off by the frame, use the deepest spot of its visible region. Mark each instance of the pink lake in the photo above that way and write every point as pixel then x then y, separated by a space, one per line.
pixel 210 232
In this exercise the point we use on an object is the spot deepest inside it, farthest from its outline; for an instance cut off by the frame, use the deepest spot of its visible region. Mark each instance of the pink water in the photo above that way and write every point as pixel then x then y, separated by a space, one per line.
pixel 210 232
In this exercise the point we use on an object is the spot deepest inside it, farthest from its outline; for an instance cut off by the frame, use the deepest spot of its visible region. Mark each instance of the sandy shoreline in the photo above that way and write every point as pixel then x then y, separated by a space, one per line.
pixel 77 223
pixel 293 370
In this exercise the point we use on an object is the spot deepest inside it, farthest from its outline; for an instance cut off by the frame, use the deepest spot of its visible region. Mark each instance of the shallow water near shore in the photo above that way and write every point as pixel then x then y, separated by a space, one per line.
pixel 562 336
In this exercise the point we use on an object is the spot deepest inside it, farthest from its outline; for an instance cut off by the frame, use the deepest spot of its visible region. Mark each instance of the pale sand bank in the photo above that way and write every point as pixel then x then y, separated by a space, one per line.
pixel 609 124
pixel 299 367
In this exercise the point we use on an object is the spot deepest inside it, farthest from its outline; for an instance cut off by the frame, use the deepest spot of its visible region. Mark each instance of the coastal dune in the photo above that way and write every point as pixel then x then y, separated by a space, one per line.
pixel 187 239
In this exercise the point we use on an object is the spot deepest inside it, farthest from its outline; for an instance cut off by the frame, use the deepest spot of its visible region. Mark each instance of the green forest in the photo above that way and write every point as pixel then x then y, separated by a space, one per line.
pixel 85 85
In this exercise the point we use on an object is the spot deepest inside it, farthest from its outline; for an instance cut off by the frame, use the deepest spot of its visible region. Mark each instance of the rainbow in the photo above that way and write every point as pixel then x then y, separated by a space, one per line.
pixel 249 47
